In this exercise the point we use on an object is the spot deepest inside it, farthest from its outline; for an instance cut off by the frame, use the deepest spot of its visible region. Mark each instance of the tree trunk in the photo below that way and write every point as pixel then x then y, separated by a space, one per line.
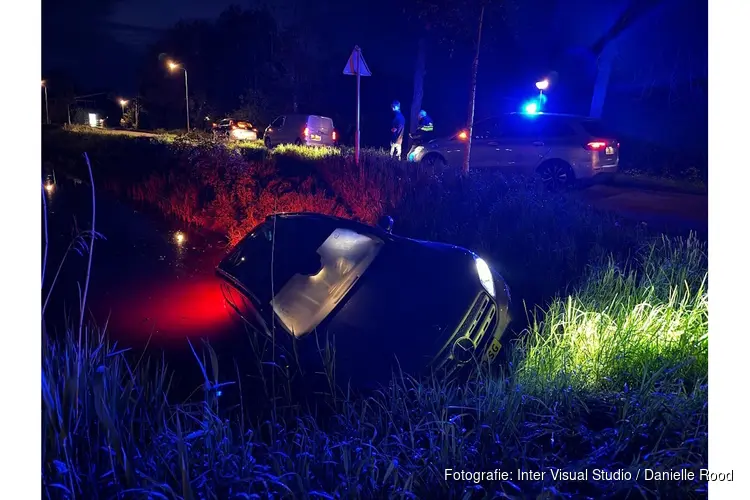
pixel 604 69
pixel 473 96
pixel 419 72
pixel 137 113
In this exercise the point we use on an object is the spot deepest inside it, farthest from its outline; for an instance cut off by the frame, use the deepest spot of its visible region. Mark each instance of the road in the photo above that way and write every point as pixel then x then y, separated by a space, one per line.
pixel 684 210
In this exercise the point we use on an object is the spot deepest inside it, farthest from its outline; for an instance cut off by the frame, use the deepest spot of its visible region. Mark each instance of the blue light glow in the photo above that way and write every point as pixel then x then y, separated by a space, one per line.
pixel 531 108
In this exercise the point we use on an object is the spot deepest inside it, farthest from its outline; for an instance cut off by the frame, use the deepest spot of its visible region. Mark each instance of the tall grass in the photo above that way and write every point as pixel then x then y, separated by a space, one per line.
pixel 637 399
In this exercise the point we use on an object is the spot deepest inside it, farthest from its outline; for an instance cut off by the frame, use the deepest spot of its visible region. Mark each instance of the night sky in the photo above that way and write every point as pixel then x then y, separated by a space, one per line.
pixel 102 45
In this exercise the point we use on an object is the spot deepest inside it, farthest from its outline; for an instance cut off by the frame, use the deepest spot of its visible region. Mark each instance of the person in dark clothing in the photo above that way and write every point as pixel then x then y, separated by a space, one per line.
pixel 425 128
pixel 397 129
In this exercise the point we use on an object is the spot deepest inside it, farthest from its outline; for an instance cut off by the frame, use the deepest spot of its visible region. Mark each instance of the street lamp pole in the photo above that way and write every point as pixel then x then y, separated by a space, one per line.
pixel 46 101
pixel 173 66
pixel 187 101
pixel 542 86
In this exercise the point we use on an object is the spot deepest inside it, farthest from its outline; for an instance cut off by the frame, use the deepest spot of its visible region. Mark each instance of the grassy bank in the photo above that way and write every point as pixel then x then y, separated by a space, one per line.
pixel 612 377
pixel 609 372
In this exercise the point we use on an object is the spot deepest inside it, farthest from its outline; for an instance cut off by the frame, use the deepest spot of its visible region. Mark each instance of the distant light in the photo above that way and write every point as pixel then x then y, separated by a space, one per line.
pixel 123 102
pixel 173 65
pixel 542 85
pixel 49 187
pixel 93 119
pixel 179 237
pixel 463 135
pixel 531 108
pixel 208 119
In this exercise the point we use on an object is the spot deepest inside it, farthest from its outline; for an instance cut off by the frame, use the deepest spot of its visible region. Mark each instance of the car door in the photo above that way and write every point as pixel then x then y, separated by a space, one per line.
pixel 485 147
pixel 521 148
pixel 275 130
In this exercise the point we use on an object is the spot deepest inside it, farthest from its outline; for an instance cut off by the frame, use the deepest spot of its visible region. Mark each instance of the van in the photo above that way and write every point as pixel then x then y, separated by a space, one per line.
pixel 302 130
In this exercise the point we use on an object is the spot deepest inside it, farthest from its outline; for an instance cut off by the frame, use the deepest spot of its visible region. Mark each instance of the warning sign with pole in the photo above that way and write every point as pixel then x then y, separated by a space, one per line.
pixel 356 66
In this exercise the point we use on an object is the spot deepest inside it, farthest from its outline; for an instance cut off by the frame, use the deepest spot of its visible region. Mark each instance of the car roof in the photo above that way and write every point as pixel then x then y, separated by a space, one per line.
pixel 316 217
pixel 552 115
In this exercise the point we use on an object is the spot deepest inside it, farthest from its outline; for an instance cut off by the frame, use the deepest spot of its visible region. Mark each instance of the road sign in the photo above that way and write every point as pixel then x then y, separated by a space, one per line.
pixel 356 66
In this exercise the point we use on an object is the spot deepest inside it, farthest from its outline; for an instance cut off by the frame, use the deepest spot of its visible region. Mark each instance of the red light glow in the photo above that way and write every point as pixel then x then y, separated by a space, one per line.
pixel 172 311
pixel 306 132
pixel 596 145
pixel 463 135
pixel 333 135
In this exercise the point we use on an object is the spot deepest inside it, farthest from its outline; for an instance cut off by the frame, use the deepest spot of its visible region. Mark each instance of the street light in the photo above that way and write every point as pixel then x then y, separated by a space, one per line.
pixel 46 101
pixel 173 66
pixel 542 86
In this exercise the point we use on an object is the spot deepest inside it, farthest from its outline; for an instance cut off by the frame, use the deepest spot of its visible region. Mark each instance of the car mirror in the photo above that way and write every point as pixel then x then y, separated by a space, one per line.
pixel 386 223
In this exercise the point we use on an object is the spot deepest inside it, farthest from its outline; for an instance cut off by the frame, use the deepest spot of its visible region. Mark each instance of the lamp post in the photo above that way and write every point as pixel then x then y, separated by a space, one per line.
pixel 542 86
pixel 46 101
pixel 173 66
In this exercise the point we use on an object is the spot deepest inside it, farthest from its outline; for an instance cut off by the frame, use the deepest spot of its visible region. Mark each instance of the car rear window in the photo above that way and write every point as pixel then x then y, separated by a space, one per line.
pixel 321 123
pixel 596 128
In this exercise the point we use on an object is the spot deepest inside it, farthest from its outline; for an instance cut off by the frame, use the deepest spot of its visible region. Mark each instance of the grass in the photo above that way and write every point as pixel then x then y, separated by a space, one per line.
pixel 609 372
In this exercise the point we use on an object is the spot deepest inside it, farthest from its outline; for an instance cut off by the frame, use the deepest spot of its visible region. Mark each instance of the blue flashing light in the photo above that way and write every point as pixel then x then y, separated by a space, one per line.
pixel 531 108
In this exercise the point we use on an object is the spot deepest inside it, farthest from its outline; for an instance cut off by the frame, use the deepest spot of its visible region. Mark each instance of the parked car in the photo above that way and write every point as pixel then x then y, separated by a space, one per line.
pixel 434 306
pixel 560 149
pixel 235 129
pixel 303 130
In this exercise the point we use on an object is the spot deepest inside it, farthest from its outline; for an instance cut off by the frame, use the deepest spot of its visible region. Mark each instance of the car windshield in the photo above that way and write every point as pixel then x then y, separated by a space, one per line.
pixel 314 267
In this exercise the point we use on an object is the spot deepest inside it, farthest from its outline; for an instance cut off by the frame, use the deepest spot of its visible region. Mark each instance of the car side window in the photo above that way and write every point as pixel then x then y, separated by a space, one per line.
pixel 521 128
pixel 556 129
pixel 486 129
pixel 278 122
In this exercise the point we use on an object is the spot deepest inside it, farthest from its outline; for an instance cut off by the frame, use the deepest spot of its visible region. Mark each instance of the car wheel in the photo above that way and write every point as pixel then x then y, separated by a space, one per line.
pixel 267 142
pixel 556 175
pixel 434 163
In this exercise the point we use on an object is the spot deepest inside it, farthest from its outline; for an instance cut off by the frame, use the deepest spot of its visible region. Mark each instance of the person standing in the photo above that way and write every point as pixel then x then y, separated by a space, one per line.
pixel 397 130
pixel 425 128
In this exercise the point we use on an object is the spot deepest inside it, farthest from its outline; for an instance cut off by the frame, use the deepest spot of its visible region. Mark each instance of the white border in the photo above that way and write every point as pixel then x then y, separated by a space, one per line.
pixel 20 422
pixel 728 253
pixel 20 206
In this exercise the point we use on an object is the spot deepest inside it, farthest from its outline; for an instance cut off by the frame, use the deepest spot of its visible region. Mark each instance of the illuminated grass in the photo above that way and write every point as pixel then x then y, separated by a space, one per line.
pixel 306 152
pixel 626 326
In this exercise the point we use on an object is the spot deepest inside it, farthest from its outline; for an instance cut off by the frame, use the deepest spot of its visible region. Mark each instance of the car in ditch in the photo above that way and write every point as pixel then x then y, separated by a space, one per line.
pixel 390 302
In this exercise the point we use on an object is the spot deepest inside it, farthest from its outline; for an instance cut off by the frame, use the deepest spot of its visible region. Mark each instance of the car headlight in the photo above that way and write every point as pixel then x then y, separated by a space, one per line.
pixel 485 276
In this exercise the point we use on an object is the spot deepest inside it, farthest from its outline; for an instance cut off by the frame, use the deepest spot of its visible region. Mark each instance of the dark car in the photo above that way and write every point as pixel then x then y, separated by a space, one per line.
pixel 432 305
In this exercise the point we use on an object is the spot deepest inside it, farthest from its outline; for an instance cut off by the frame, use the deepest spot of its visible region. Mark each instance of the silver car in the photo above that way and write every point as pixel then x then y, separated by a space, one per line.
pixel 302 130
pixel 560 149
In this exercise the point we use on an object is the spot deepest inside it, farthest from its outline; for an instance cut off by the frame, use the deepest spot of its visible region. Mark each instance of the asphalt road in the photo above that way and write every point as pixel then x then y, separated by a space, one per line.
pixel 672 208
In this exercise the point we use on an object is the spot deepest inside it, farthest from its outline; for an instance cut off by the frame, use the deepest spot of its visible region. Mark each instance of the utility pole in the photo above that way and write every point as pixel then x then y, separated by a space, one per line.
pixel 46 101
pixel 473 95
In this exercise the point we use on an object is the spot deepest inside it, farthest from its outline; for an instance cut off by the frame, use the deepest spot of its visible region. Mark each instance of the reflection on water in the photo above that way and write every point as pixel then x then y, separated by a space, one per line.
pixel 148 283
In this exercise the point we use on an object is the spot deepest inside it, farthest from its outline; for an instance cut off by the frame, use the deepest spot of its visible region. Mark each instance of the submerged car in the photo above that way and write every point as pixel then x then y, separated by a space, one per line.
pixel 238 130
pixel 559 149
pixel 433 306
